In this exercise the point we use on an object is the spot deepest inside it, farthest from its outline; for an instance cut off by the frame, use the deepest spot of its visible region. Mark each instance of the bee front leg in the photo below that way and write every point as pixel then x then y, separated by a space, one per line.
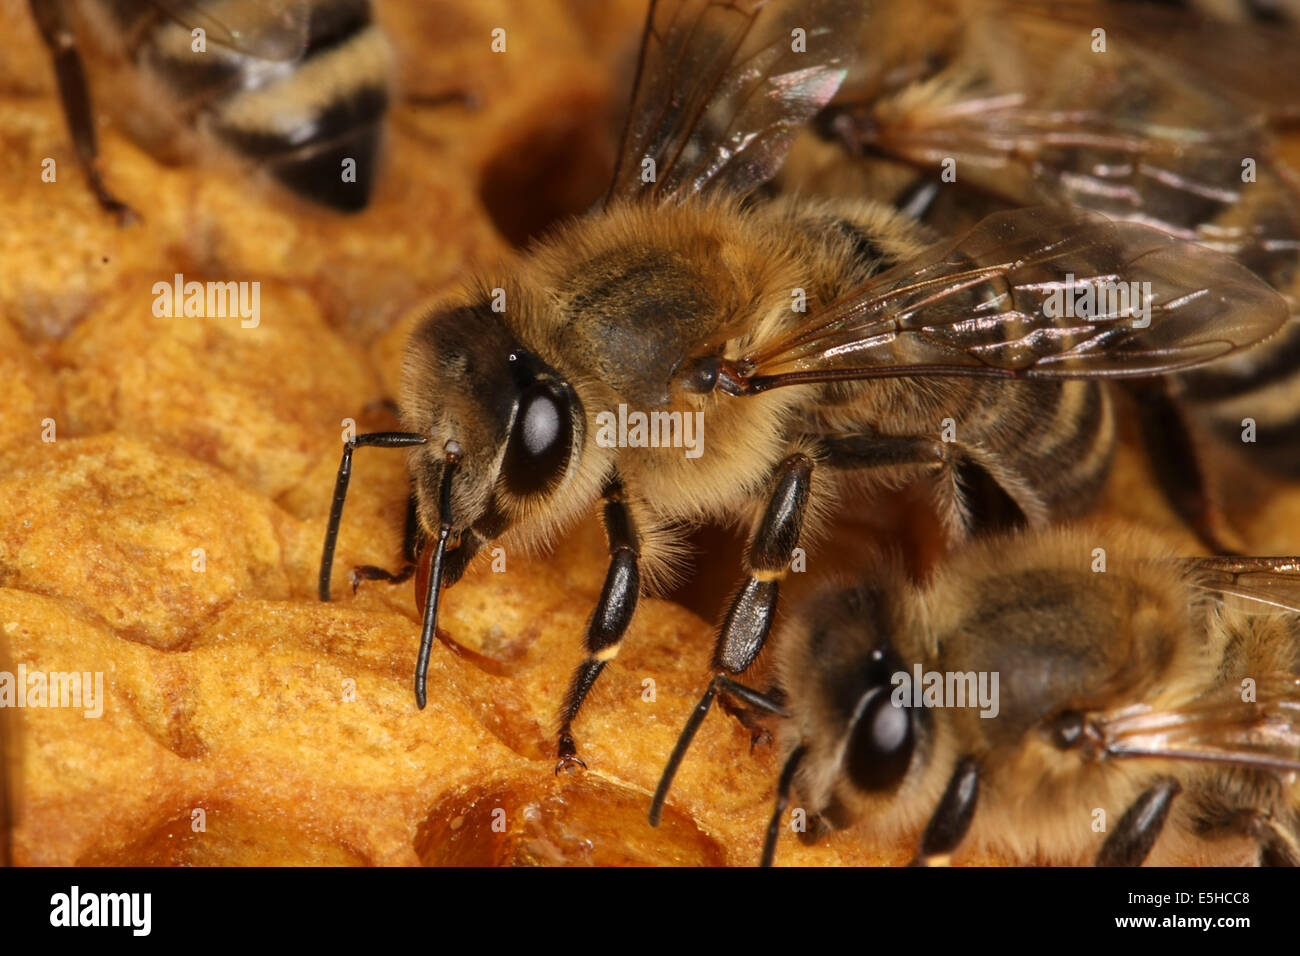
pixel 951 819
pixel 610 619
pixel 1131 841
pixel 74 93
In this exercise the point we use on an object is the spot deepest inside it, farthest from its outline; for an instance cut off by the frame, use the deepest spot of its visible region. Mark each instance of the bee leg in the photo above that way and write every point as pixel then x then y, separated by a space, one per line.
pixel 976 503
pixel 1131 841
pixel 783 787
pixel 1171 450
pixel 411 541
pixel 1277 847
pixel 749 618
pixel 750 717
pixel 74 93
pixel 720 685
pixel 610 619
pixel 951 819
pixel 379 440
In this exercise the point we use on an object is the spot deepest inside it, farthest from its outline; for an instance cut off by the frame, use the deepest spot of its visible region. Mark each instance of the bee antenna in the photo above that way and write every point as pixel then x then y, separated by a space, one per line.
pixel 429 626
pixel 783 787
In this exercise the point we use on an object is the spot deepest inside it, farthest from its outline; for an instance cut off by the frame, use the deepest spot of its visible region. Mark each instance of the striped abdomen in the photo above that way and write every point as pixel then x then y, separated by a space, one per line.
pixel 1055 439
pixel 1261 387
pixel 299 97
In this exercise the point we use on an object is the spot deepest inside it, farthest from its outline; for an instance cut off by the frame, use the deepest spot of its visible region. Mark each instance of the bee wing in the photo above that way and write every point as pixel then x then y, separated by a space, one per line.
pixel 275 30
pixel 1130 132
pixel 1185 36
pixel 1217 727
pixel 721 88
pixel 1267 584
pixel 1010 300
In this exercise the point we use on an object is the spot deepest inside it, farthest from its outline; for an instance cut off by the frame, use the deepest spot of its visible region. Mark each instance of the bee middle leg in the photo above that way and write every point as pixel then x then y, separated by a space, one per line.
pixel 1130 842
pixel 951 819
pixel 610 619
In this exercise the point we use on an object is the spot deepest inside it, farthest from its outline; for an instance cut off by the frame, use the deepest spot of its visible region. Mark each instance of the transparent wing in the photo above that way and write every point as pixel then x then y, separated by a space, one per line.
pixel 1045 292
pixel 1256 63
pixel 1217 727
pixel 1269 584
pixel 722 86
pixel 1030 111
pixel 266 29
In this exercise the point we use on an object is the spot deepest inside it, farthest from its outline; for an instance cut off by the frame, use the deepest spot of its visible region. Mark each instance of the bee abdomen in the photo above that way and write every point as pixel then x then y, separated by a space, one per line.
pixel 1255 397
pixel 1059 437
pixel 303 119
pixel 866 254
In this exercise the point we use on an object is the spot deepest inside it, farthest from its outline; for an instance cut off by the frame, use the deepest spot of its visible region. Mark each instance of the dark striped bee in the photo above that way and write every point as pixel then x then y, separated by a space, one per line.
pixel 822 344
pixel 1152 707
pixel 298 88
pixel 1135 111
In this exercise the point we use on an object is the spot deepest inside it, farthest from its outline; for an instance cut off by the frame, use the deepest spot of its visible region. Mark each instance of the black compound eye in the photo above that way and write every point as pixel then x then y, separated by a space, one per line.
pixel 881 742
pixel 541 439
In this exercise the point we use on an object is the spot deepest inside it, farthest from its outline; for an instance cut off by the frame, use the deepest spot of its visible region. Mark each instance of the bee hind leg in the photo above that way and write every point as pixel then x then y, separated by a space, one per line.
pixel 1130 842
pixel 750 717
pixel 609 621
pixel 749 617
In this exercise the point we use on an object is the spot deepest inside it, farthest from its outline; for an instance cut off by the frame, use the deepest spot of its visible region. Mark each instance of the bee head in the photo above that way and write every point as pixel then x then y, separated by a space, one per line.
pixel 516 423
pixel 861 694
pixel 845 680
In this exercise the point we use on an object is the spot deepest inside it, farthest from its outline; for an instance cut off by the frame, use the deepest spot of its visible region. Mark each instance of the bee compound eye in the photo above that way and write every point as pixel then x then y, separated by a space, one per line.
pixel 880 743
pixel 540 440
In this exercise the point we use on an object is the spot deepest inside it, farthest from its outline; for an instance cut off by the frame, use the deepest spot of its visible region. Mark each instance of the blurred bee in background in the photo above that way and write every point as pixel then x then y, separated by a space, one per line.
pixel 823 343
pixel 294 87
pixel 1117 691
pixel 1133 110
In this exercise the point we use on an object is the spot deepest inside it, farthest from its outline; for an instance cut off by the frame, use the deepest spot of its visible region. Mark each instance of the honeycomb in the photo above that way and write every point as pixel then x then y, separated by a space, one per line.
pixel 165 483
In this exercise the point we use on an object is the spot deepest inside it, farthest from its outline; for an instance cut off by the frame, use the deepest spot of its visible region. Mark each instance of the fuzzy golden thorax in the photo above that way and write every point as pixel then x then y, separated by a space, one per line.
pixel 612 308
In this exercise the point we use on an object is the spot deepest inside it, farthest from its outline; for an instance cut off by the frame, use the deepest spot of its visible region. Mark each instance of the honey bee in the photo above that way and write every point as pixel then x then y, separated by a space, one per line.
pixel 822 343
pixel 298 88
pixel 1140 113
pixel 1144 708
